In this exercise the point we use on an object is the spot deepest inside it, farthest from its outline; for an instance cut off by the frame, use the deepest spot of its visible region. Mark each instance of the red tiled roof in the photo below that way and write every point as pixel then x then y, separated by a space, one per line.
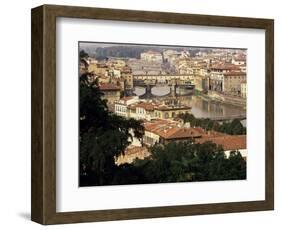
pixel 157 124
pixel 228 142
pixel 179 133
pixel 135 149
pixel 126 69
pixel 108 86
pixel 145 105
pixel 168 129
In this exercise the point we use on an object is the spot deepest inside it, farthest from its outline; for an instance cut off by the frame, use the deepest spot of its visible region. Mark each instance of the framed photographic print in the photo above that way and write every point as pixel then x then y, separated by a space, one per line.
pixel 139 114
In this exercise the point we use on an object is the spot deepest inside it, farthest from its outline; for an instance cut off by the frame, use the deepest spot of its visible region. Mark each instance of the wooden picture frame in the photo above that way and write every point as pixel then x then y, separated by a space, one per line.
pixel 43 208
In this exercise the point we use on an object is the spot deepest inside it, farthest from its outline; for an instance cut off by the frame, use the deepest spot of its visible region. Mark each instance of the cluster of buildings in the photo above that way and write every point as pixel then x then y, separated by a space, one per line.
pixel 133 107
pixel 162 125
pixel 213 71
pixel 114 71
pixel 151 56
pixel 163 131
pixel 228 79
pixel 222 70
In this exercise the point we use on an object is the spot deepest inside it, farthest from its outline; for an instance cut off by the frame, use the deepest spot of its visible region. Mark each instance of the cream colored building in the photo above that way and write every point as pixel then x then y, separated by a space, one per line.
pixel 142 110
pixel 152 56
pixel 170 112
pixel 121 106
pixel 232 82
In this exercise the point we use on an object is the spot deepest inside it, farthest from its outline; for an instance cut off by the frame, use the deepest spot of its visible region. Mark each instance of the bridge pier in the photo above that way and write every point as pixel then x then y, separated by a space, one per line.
pixel 173 90
pixel 148 90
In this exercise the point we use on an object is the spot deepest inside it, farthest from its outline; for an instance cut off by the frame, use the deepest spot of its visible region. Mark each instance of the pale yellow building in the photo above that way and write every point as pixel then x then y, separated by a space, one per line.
pixel 170 112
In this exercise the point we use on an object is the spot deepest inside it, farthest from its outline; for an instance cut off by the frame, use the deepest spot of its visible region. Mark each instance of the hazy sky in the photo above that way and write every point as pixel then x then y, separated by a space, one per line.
pixel 94 45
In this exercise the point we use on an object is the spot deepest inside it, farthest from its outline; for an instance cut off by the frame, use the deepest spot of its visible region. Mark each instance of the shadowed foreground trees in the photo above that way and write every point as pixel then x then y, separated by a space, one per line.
pixel 181 162
pixel 104 136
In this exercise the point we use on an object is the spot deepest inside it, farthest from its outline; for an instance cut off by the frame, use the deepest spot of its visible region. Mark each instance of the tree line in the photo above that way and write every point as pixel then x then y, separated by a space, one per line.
pixel 233 127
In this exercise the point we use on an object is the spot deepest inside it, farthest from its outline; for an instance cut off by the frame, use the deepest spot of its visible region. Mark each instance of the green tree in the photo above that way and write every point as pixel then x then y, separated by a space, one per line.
pixel 234 127
pixel 83 54
pixel 103 135
pixel 186 161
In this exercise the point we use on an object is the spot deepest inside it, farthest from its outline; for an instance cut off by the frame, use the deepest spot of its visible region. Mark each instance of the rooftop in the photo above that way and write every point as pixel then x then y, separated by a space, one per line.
pixel 168 129
pixel 108 87
pixel 228 142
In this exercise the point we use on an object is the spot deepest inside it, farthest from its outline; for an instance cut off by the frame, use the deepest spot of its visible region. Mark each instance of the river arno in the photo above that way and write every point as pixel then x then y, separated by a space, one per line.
pixel 201 107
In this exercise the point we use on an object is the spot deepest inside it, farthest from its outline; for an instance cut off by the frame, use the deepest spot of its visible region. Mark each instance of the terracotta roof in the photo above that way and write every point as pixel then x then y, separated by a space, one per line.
pixel 228 142
pixel 158 124
pixel 209 134
pixel 145 105
pixel 179 133
pixel 108 87
pixel 168 129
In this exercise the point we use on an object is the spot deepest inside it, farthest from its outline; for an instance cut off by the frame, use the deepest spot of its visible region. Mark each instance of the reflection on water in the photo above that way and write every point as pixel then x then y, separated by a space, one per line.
pixel 139 91
pixel 207 108
pixel 160 90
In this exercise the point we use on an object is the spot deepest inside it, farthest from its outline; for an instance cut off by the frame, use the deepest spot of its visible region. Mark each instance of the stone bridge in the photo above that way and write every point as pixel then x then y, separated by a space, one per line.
pixel 165 79
pixel 183 84
pixel 175 89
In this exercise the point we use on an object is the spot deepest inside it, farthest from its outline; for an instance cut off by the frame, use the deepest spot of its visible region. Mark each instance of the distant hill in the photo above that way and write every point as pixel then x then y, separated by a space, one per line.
pixel 104 50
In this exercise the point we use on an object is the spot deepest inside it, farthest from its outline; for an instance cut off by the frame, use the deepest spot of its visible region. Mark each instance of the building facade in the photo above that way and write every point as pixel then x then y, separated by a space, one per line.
pixel 152 56
pixel 232 82
pixel 111 93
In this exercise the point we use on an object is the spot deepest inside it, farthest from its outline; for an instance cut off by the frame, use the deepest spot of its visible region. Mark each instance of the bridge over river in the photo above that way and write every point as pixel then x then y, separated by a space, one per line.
pixel 165 88
pixel 201 107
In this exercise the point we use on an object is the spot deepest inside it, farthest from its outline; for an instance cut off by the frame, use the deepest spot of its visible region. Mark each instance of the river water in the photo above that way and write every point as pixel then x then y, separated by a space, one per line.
pixel 201 107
